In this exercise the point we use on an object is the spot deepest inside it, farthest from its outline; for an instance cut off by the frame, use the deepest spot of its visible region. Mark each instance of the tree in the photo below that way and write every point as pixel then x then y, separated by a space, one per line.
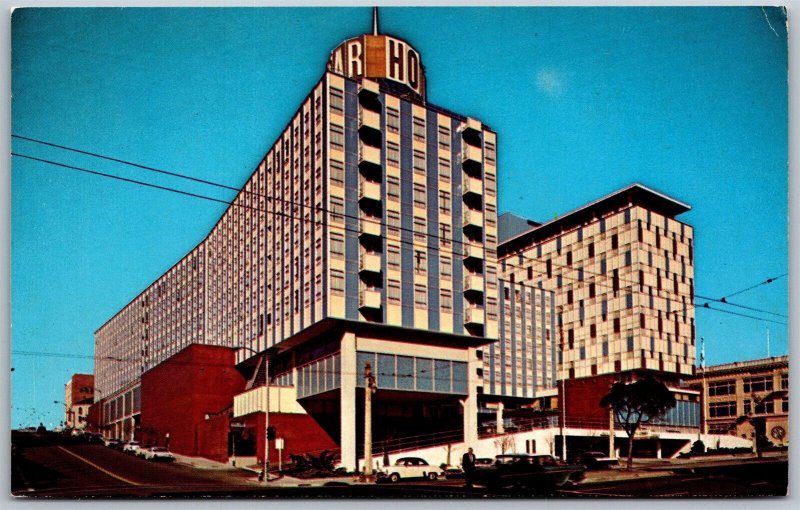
pixel 636 403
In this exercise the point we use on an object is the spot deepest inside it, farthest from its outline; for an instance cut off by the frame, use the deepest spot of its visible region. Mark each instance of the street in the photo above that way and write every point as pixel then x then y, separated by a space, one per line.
pixel 52 466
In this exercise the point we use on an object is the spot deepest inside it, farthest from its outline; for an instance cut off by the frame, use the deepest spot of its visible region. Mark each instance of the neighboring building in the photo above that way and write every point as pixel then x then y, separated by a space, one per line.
pixel 745 398
pixel 78 397
pixel 623 274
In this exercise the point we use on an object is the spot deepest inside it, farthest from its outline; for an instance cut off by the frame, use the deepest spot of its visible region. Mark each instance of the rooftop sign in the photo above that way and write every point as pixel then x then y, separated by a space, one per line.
pixel 380 57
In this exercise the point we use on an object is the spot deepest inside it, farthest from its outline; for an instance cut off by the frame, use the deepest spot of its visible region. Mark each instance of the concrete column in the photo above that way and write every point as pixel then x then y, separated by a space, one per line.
pixel 611 451
pixel 501 428
pixel 470 404
pixel 347 404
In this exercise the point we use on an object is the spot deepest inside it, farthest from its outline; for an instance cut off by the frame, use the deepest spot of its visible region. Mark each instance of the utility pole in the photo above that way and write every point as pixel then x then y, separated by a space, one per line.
pixel 703 397
pixel 563 405
pixel 369 388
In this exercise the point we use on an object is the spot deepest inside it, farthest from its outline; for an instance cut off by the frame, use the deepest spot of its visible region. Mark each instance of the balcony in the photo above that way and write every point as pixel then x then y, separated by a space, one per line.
pixel 471 132
pixel 473 251
pixel 369 298
pixel 369 190
pixel 471 153
pixel 368 88
pixel 473 283
pixel 473 218
pixel 472 186
pixel 369 119
pixel 369 226
pixel 473 316
pixel 369 262
pixel 369 159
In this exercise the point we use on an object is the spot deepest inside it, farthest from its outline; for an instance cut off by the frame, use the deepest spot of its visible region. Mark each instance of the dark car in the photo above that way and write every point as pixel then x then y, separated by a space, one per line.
pixel 528 471
pixel 597 460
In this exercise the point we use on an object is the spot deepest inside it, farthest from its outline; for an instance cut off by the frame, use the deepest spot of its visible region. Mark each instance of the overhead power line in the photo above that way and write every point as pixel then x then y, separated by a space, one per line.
pixel 765 282
pixel 234 203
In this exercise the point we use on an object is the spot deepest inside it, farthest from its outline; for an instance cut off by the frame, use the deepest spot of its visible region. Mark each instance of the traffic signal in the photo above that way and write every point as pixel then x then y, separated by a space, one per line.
pixel 271 433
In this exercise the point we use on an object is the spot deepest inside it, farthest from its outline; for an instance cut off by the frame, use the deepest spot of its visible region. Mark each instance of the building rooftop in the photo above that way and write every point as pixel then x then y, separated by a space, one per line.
pixel 745 365
pixel 635 194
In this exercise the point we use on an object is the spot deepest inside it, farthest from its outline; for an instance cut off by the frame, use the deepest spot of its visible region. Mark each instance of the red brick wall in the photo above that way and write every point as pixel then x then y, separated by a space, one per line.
pixel 582 400
pixel 212 438
pixel 82 381
pixel 178 393
pixel 300 432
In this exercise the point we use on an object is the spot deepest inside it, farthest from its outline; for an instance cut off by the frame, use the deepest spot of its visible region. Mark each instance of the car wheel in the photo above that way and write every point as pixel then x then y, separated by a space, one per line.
pixel 433 476
pixel 394 477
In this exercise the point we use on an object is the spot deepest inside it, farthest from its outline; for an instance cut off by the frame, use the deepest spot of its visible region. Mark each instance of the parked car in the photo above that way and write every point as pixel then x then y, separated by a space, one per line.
pixel 111 442
pixel 131 447
pixel 93 438
pixel 530 471
pixel 158 453
pixel 142 451
pixel 408 467
pixel 597 460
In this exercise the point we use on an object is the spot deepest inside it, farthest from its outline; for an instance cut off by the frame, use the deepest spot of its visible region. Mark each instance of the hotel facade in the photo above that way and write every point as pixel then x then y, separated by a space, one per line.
pixel 368 234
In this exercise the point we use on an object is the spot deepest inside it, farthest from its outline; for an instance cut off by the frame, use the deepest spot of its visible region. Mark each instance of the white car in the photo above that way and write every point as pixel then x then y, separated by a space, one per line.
pixel 157 453
pixel 131 447
pixel 409 467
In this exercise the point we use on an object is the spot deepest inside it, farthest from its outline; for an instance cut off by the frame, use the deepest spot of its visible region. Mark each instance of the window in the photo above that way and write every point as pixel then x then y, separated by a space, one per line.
pixel 393 256
pixel 628 258
pixel 614 242
pixel 616 325
pixel 753 384
pixel 337 100
pixel 420 296
pixel 392 153
pixel 721 409
pixel 337 172
pixel 337 210
pixel 444 138
pixel 591 290
pixel 630 344
pixel 765 407
pixel 569 258
pixel 628 300
pixel 446 267
pixel 490 152
pixel 337 282
pixel 444 168
pixel 393 293
pixel 784 381
pixel 419 129
pixel 393 222
pixel 419 162
pixel 337 137
pixel 419 229
pixel 392 120
pixel 337 246
pixel 591 250
pixel 393 187
pixel 444 202
pixel 447 299
pixel 419 195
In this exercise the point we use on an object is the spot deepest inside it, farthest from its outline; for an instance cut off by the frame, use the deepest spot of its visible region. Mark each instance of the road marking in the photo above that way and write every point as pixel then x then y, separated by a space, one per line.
pixel 109 473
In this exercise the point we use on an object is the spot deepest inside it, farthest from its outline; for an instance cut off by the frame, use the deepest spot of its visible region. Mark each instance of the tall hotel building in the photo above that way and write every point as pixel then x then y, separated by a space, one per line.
pixel 367 234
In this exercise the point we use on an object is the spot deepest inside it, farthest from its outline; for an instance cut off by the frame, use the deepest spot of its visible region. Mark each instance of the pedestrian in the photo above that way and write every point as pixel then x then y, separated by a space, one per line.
pixel 468 466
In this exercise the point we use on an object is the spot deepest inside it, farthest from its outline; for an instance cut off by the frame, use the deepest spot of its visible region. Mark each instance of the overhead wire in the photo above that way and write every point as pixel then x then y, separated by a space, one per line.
pixel 234 203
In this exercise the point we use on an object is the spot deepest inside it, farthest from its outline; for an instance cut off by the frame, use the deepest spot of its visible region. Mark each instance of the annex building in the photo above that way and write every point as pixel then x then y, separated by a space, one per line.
pixel 368 234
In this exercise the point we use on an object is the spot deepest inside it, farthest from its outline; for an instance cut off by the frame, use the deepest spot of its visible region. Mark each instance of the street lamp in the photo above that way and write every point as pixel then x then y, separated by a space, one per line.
pixel 266 409
pixel 67 413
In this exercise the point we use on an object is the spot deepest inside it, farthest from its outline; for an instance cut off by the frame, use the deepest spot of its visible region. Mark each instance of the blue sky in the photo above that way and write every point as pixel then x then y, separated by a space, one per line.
pixel 691 102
